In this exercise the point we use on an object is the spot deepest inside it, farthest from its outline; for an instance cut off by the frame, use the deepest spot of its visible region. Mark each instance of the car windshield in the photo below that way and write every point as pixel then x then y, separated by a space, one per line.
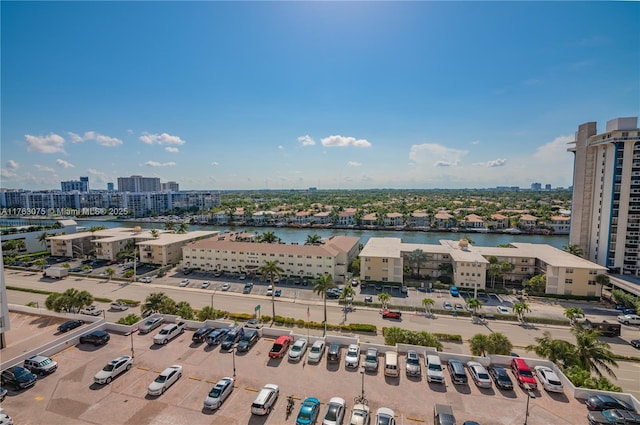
pixel 315 349
pixel 412 361
pixel 21 373
pixel 109 367
pixel 149 322
pixel 45 362
pixel 384 420
pixel 215 392
pixel 483 375
pixel 305 413
pixel 371 357
pixel 332 412
pixel 435 366
pixel 296 348
pixel 352 352
pixel 526 373
pixel 161 379
pixel 164 332
pixel 612 416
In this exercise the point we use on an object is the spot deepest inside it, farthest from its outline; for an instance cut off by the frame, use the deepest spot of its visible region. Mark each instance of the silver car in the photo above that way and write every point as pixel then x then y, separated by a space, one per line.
pixel 298 349
pixel 112 369
pixel 479 374
pixel 315 354
pixel 219 393
pixel 167 377
pixel 413 367
pixel 150 324
pixel 352 359
pixel 371 360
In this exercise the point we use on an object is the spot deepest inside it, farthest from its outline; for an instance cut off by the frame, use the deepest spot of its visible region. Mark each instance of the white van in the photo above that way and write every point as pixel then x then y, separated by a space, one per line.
pixel 267 397
pixel 435 373
pixel 391 364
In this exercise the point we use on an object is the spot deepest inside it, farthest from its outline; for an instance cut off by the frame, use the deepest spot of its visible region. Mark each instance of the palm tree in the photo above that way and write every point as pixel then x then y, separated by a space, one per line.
pixel 153 303
pixel 347 292
pixel 573 249
pixel 110 272
pixel 499 344
pixel 184 310
pixel 572 313
pixel 40 262
pixel 494 271
pixel 170 226
pixel 603 279
pixel 314 239
pixel 475 305
pixel 207 313
pixel 322 284
pixel 506 268
pixel 445 268
pixel 384 298
pixel 520 309
pixel 155 233
pixel 428 303
pixel 269 271
pixel 418 257
pixel 43 238
pixel 479 344
pixel 269 237
pixel 593 354
pixel 82 299
pixel 183 228
pixel 558 351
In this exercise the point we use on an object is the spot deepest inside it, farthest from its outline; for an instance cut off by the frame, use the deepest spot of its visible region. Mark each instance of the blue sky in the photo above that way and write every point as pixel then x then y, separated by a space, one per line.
pixel 279 95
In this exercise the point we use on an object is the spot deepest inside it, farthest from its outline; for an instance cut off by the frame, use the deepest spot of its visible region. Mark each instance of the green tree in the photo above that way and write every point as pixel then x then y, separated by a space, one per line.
pixel 129 319
pixel 499 344
pixel 573 249
pixel 110 272
pixel 183 228
pixel 573 313
pixel 184 310
pixel 537 284
pixel 153 303
pixel 207 313
pixel 40 263
pixel 479 345
pixel 269 271
pixel 322 284
pixel 314 239
pixel 393 335
pixel 558 351
pixel 129 273
pixel 446 268
pixel 506 268
pixel 583 378
pixel 155 233
pixel 428 304
pixel 384 298
pixel 43 238
pixel 520 309
pixel 417 258
pixel 494 271
pixel 268 237
pixel 593 354
pixel 603 279
pixel 475 305
pixel 170 226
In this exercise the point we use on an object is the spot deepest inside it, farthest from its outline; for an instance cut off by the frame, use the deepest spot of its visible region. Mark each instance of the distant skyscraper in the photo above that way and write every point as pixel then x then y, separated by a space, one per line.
pixel 605 213
pixel 138 184
pixel 536 186
pixel 172 186
pixel 547 186
pixel 110 187
pixel 81 185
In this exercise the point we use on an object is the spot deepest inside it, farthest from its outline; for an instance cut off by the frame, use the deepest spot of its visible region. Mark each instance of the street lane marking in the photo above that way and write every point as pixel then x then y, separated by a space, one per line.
pixel 194 378
pixel 143 368
pixel 251 389
pixel 38 398
pixel 415 419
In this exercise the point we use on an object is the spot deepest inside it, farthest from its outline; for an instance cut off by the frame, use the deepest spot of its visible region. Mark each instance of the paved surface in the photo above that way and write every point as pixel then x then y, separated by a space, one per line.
pixel 69 396
pixel 296 300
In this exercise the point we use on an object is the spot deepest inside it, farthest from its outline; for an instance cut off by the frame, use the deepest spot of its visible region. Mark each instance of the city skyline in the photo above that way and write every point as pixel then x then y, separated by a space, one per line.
pixel 233 96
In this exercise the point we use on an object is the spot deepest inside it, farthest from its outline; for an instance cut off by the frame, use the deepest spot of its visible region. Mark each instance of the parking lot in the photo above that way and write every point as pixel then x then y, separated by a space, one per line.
pixel 69 396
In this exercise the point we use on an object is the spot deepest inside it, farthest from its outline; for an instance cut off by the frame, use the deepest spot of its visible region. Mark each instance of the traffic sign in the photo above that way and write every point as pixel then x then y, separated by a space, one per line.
pixel 257 308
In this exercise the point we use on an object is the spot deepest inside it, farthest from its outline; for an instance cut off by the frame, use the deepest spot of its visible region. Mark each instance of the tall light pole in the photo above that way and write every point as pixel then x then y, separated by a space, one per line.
pixel 362 386
pixel 530 395
pixel 233 358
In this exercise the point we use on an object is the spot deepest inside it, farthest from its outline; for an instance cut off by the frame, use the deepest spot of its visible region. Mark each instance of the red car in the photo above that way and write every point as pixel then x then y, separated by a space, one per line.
pixel 523 373
pixel 279 347
pixel 389 314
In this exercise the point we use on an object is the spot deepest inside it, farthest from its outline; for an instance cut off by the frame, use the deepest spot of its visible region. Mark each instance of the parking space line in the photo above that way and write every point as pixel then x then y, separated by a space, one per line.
pixel 415 419
pixel 251 389
pixel 193 378
pixel 143 368
pixel 211 382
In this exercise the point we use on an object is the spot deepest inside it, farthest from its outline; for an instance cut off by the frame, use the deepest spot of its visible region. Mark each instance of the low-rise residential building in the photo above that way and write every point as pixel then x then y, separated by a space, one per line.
pixel 384 259
pixel 322 218
pixel 443 220
pixel 473 221
pixel 419 219
pixel 528 221
pixel 498 221
pixel 34 235
pixel 560 224
pixel 394 219
pixel 331 257
pixel 347 217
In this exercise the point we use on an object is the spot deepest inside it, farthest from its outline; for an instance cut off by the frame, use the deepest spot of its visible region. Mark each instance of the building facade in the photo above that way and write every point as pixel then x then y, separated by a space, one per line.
pixel 139 184
pixel 605 216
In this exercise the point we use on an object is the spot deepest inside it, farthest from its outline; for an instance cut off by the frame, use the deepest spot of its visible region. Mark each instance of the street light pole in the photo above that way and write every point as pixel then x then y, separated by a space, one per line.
pixel 362 387
pixel 530 395
pixel 233 357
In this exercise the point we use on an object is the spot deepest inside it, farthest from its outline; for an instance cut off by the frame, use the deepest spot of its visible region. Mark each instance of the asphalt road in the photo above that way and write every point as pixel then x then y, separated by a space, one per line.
pixel 296 300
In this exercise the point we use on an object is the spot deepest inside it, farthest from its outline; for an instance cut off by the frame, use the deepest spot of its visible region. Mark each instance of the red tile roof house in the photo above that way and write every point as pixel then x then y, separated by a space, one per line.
pixel 499 221
pixel 370 219
pixel 394 219
pixel 347 217
pixel 528 221
pixel 443 220
pixel 473 221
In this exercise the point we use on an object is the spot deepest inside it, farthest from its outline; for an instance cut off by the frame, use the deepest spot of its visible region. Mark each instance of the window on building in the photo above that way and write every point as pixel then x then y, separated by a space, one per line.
pixel 385 260
pixel 568 281
pixel 592 282
pixel 569 270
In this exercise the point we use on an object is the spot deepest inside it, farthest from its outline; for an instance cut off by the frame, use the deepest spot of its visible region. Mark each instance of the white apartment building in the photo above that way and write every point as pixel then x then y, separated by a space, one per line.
pixel 332 257
pixel 605 217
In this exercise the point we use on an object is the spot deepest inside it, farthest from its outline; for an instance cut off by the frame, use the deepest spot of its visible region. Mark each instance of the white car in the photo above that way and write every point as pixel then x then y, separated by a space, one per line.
pixel 253 323
pixel 226 287
pixel 118 305
pixel 269 290
pixel 629 319
pixel 548 379
pixel 335 412
pixel 183 283
pixel 316 352
pixel 384 416
pixel 297 350
pixel 360 415
pixel 168 333
pixel 502 309
pixel 112 369
pixel 205 284
pixel 5 419
pixel 352 359
pixel 219 393
pixel 167 377
pixel 479 374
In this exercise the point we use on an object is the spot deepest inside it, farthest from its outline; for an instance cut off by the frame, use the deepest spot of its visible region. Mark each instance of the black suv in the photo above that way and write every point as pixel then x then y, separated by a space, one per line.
pixel 248 340
pixel 333 355
pixel 70 324
pixel 201 334
pixel 215 337
pixel 95 338
pixel 232 337
pixel 18 377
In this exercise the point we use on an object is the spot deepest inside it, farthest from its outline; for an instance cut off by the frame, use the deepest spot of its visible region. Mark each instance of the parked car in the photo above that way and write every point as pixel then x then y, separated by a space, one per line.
pixel 371 360
pixel 91 310
pixel 277 293
pixel 548 378
pixel 523 373
pixel 613 417
pixel 5 419
pixel 226 286
pixel 334 353
pixel 97 337
pixel 216 336
pixel 167 377
pixel 434 368
pixel 384 416
pixel 443 415
pixel 308 411
pixel 253 323
pixel 334 415
pixel 219 393
pixel 447 306
pixel 265 400
pixel 168 333
pixel 150 324
pixel 298 349
pixel 183 283
pixel 18 377
pixel 635 343
pixel 279 347
pixel 3 394
pixel 605 402
pixel 352 358
pixel 412 367
pixel 502 309
pixel 232 337
pixel 360 415
pixel 119 306
pixel 629 319
pixel 247 288
pixel 40 365
pixel 69 325
pixel 205 284
pixel 316 351
pixel 249 339
pixel 200 335
pixel 112 369
pixel 479 375
pixel 501 377
pixel 391 314
pixel 457 372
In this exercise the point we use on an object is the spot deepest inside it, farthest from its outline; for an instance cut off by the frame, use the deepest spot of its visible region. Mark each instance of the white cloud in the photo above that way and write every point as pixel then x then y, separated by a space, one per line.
pixel 475 142
pixel 7 174
pixel 161 139
pixel 12 164
pixel 215 163
pixel 51 143
pixel 159 164
pixel 171 149
pixel 354 164
pixel 280 147
pixel 493 163
pixel 129 131
pixel 100 139
pixel 555 150
pixel 342 141
pixel 75 138
pixel 440 155
pixel 64 164
pixel 44 168
pixel 306 140
pixel 95 172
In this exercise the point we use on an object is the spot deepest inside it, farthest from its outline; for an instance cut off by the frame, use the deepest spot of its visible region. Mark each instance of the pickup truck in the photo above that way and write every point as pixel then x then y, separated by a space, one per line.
pixel 169 332
pixel 91 310
pixel 280 347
